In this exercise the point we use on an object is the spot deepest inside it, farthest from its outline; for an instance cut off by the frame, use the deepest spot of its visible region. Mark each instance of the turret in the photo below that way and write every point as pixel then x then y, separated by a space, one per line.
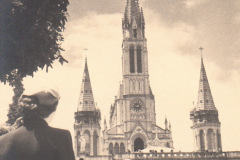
pixel 206 125
pixel 87 120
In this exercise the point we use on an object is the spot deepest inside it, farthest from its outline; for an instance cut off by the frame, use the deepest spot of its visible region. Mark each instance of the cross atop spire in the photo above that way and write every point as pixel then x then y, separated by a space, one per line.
pixel 86 100
pixel 201 49
pixel 205 99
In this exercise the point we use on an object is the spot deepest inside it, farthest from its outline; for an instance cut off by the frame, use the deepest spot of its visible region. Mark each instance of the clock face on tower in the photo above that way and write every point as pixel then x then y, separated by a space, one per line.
pixel 137 105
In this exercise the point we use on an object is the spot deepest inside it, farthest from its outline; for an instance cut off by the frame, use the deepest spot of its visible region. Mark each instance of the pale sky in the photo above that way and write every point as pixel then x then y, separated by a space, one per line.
pixel 174 30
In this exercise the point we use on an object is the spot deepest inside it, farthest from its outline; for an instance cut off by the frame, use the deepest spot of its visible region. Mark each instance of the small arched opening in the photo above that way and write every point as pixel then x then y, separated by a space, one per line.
pixel 110 148
pixel 116 148
pixel 168 145
pixel 201 138
pixel 122 148
pixel 139 59
pixel 87 142
pixel 131 59
pixel 210 139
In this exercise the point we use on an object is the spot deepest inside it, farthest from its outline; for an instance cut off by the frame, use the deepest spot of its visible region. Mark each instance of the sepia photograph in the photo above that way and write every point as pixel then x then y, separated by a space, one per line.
pixel 119 79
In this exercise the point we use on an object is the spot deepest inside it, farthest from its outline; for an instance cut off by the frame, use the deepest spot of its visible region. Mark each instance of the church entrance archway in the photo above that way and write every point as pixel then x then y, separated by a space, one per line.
pixel 138 144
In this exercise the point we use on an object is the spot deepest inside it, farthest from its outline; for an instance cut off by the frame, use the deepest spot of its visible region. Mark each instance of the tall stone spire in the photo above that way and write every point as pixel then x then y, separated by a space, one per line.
pixel 205 99
pixel 86 100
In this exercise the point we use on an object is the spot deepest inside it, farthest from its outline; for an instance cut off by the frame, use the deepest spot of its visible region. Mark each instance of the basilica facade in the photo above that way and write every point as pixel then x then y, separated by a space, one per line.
pixel 132 125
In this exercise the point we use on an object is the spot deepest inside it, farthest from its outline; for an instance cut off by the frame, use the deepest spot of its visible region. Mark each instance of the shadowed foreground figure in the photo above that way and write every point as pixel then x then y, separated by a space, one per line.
pixel 34 139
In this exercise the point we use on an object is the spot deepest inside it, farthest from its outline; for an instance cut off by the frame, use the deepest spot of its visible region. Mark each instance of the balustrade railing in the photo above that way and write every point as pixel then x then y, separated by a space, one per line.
pixel 179 155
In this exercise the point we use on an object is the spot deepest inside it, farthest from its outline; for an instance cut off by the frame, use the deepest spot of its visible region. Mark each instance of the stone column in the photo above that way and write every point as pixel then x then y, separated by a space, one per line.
pixel 216 140
pixel 197 142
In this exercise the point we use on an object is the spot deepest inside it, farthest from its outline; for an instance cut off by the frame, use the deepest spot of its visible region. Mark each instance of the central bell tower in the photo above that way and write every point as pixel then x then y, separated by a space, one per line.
pixel 135 56
pixel 132 115
pixel 136 87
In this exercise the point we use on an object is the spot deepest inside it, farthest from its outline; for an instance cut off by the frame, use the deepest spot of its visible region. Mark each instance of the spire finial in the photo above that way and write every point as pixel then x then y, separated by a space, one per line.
pixel 85 53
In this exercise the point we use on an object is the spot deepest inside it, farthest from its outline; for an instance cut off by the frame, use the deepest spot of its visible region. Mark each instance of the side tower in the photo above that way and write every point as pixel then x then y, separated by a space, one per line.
pixel 87 120
pixel 206 125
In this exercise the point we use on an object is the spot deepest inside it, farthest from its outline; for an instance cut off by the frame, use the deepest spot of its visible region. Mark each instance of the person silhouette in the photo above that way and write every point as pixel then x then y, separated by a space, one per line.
pixel 34 139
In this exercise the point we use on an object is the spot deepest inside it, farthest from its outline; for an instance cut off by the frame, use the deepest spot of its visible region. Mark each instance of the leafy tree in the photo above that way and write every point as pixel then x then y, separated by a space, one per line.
pixel 30 35
pixel 14 111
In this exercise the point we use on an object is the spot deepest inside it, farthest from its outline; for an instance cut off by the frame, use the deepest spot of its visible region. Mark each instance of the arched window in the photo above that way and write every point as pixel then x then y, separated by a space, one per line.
pixel 135 33
pixel 116 148
pixel 210 139
pixel 110 148
pixel 139 59
pixel 139 86
pixel 202 144
pixel 131 55
pixel 167 144
pixel 122 148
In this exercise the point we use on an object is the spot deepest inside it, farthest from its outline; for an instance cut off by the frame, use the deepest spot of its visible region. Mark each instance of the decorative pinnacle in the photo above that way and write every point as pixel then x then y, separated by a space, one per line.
pixel 166 119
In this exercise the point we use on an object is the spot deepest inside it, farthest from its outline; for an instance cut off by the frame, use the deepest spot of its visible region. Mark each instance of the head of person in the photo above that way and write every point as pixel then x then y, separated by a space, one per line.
pixel 39 105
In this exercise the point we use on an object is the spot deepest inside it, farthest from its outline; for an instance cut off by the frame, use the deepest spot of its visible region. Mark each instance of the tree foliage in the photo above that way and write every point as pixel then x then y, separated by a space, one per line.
pixel 15 111
pixel 30 35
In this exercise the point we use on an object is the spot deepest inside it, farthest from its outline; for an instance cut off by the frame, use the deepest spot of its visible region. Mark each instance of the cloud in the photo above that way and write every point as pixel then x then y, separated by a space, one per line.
pixel 194 3
pixel 81 8
pixel 214 26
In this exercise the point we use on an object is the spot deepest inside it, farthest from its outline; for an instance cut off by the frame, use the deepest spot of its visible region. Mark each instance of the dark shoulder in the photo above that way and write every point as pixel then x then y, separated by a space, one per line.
pixel 6 142
pixel 11 136
pixel 15 139
pixel 59 132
